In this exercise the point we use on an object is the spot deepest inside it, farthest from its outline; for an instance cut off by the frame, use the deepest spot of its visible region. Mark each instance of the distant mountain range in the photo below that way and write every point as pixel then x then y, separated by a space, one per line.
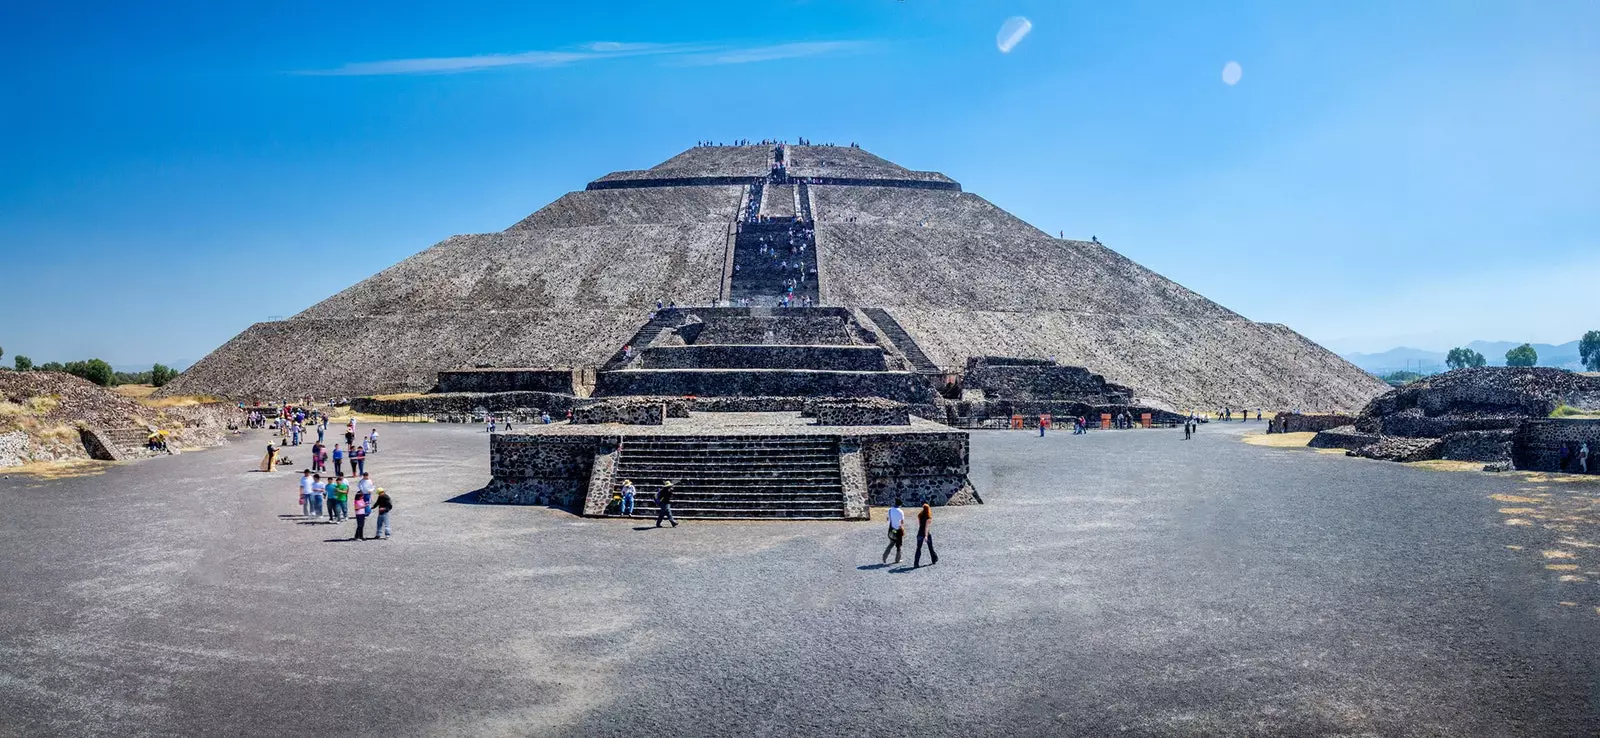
pixel 1562 356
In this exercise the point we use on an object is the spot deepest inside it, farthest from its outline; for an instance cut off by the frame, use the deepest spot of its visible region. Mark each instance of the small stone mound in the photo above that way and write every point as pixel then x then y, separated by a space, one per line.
pixel 1397 448
pixel 44 416
pixel 1345 437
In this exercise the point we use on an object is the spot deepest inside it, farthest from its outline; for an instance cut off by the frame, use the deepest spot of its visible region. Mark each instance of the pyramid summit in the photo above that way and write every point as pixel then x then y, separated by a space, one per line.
pixel 942 274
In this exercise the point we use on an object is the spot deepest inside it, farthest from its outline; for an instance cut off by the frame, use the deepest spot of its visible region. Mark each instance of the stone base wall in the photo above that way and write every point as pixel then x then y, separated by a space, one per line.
pixel 900 386
pixel 787 326
pixel 717 356
pixel 626 412
pixel 1041 379
pixel 540 470
pixel 869 411
pixel 917 468
pixel 1303 423
pixel 559 381
pixel 457 403
pixel 1536 446
pixel 1484 445
pixel 1059 410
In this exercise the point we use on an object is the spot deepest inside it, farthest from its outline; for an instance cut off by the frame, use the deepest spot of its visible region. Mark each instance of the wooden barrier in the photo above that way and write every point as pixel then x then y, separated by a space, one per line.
pixel 1144 419
pixel 1105 421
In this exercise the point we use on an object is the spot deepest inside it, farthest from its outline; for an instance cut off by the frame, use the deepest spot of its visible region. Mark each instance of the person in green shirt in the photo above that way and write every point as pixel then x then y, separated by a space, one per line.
pixel 342 494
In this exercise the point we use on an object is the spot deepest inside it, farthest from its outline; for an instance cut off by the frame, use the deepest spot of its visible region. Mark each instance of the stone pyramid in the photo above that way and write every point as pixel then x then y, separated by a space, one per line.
pixel 568 285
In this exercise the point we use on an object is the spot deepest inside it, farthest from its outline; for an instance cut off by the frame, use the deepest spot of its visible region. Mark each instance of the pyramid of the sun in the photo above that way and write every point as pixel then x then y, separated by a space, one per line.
pixel 570 284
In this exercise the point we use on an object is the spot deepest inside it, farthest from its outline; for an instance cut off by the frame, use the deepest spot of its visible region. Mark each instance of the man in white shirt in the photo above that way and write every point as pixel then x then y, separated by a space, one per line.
pixel 366 487
pixel 319 491
pixel 305 494
pixel 897 532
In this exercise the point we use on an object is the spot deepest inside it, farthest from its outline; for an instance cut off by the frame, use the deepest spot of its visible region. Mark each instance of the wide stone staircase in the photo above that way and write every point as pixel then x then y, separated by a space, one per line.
pixel 788 477
pixel 763 278
pixel 664 319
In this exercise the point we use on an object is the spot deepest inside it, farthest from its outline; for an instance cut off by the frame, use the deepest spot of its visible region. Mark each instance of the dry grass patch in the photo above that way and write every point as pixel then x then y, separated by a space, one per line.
pixel 45 470
pixel 1280 440
pixel 135 391
pixel 1446 465
pixel 400 396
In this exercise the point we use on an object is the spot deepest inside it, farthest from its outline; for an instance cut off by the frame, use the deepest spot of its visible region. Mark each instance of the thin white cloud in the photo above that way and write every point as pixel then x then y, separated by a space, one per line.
pixel 688 54
pixel 771 53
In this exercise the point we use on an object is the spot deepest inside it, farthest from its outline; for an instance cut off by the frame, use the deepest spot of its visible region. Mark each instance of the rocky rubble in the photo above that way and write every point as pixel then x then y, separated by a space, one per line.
pixel 1465 415
pixel 41 412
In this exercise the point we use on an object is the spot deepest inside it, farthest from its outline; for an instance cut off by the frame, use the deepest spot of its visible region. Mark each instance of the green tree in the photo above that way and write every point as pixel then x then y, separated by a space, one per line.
pixel 23 363
pixel 1463 357
pixel 1523 355
pixel 161 374
pixel 1589 350
pixel 94 370
pixel 52 366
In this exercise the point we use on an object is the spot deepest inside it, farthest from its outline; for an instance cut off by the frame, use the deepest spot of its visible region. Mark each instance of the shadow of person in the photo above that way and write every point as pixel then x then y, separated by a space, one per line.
pixel 339 540
pixel 647 527
pixel 872 567
pixel 903 569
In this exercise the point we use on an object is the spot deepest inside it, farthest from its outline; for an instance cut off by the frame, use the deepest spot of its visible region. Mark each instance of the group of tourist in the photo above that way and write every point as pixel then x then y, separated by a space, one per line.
pixel 1226 414
pixel 333 499
pixel 897 535
pixel 628 494
pixel 1575 458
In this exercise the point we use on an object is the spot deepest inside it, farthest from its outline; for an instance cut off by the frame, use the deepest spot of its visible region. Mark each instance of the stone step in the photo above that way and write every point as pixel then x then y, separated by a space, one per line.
pixel 765 460
pixel 710 474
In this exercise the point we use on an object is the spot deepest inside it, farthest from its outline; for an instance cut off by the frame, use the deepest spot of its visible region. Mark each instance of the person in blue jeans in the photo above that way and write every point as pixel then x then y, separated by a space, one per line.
pixel 628 491
pixel 338 460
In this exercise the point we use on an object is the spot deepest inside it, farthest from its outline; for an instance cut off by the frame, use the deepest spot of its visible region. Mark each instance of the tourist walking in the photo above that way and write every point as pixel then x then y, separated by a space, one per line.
pixel 664 504
pixel 366 487
pixel 384 505
pixel 372 441
pixel 338 460
pixel 318 489
pixel 305 493
pixel 628 491
pixel 361 517
pixel 925 533
pixel 1188 430
pixel 897 532
pixel 358 460
pixel 339 496
pixel 1583 458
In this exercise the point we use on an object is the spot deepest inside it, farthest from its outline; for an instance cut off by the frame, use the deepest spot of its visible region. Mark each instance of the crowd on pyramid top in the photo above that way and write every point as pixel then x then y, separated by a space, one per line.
pixel 770 142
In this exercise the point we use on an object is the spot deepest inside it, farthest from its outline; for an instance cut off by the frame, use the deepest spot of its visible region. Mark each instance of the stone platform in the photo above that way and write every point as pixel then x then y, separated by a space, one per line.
pixel 733 465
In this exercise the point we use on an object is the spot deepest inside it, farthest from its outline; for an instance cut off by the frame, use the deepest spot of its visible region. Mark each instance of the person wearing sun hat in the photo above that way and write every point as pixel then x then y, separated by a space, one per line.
pixel 664 504
pixel 384 504
pixel 628 491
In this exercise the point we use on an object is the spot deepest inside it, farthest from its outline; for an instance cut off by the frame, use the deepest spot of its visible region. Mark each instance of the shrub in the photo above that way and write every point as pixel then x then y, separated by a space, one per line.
pixel 1523 355
pixel 22 363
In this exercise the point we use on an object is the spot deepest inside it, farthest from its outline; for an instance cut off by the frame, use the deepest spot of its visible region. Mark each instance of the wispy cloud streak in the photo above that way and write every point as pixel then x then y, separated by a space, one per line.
pixel 686 54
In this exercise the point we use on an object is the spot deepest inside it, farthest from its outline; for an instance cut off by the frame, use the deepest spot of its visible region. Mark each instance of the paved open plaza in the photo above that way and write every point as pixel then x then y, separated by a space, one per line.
pixel 1121 583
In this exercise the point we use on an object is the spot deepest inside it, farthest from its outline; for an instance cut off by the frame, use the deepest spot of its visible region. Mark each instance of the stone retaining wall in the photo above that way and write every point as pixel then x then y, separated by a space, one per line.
pixel 1040 379
pixel 557 381
pixel 1537 444
pixel 626 412
pixel 900 386
pixel 457 403
pixel 870 411
pixel 540 470
pixel 917 468
pixel 1308 423
pixel 792 327
pixel 703 355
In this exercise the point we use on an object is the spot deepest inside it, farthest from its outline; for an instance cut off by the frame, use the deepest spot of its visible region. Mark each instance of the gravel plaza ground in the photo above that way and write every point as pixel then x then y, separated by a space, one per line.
pixel 1120 583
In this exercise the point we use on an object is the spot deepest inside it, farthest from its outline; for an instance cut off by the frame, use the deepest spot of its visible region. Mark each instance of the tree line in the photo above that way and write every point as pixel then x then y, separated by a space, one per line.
pixel 1525 355
pixel 95 370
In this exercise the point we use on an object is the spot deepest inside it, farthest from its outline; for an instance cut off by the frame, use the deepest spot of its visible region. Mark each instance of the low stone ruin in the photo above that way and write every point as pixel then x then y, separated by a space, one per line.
pixel 859 411
pixel 621 411
pixel 1493 414
pixel 1308 422
pixel 999 387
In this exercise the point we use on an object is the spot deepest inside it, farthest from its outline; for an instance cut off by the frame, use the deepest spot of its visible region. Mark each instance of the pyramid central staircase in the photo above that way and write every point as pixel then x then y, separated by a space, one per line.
pixel 734 477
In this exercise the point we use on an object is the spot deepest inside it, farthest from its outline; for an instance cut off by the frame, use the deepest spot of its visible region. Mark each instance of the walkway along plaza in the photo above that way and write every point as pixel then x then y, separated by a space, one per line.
pixel 1121 582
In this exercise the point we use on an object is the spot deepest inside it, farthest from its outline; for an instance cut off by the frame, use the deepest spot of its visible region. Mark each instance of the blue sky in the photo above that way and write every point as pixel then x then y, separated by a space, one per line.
pixel 1382 174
